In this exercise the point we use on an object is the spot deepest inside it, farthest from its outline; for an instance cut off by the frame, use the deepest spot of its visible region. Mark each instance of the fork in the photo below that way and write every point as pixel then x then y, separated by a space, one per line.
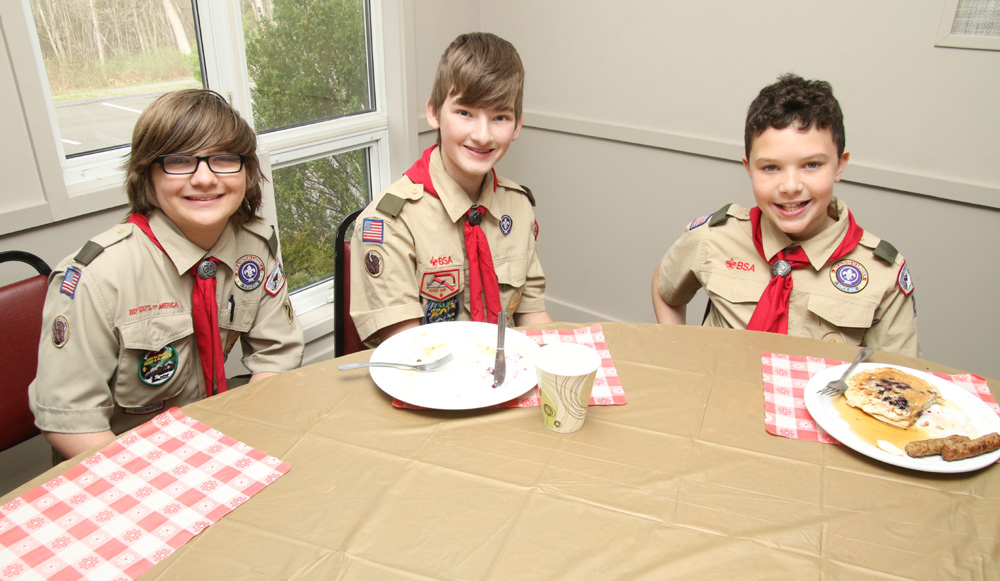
pixel 431 366
pixel 839 386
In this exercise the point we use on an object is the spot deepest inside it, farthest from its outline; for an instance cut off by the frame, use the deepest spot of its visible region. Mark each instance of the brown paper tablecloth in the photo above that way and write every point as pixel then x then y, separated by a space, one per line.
pixel 683 481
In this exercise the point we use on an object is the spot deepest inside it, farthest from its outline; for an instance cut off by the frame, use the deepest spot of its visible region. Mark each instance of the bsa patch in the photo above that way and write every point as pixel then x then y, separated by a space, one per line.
pixel 849 276
pixel 514 301
pixel 446 310
pixel 441 284
pixel 698 222
pixel 70 279
pixel 157 367
pixel 534 229
pixel 60 331
pixel 904 281
pixel 374 263
pixel 506 223
pixel 249 272
pixel 289 313
pixel 371 230
pixel 276 281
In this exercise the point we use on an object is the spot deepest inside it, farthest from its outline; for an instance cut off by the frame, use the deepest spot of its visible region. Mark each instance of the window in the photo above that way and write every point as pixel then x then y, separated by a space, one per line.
pixel 308 76
pixel 970 24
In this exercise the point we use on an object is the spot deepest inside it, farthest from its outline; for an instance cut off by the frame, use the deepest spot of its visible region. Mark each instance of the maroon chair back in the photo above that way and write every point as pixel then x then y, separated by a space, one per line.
pixel 345 334
pixel 21 304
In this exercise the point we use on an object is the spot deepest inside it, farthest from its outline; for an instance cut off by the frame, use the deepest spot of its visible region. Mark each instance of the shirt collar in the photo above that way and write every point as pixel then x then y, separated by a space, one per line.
pixel 184 253
pixel 819 248
pixel 453 197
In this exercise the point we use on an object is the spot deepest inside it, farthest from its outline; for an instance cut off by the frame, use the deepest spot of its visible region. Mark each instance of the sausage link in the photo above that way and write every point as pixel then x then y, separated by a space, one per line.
pixel 961 450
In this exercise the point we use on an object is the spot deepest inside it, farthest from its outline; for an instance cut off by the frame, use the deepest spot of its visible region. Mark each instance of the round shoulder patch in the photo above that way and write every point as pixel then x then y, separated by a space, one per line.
pixel 374 263
pixel 849 276
pixel 60 331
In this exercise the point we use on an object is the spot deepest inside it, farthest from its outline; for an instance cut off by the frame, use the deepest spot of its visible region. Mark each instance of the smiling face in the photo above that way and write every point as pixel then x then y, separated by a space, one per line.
pixel 200 204
pixel 792 172
pixel 473 140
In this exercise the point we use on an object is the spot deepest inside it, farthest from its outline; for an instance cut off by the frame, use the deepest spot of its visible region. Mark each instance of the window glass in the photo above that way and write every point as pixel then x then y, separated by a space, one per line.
pixel 107 60
pixel 312 199
pixel 308 61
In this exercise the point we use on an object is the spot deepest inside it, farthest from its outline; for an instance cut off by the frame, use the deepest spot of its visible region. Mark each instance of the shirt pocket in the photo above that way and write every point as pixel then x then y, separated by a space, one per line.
pixel 240 318
pixel 512 273
pixel 157 359
pixel 842 314
pixel 734 290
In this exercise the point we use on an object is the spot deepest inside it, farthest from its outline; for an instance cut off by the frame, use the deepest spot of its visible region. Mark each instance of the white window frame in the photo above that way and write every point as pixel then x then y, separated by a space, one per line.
pixel 945 38
pixel 91 183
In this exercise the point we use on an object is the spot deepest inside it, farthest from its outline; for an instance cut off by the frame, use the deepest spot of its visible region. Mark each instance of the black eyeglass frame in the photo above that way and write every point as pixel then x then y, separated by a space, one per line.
pixel 198 159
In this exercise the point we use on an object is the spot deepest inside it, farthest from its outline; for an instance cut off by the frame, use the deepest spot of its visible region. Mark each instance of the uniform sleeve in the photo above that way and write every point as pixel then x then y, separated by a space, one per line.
pixel 533 297
pixel 71 393
pixel 274 343
pixel 384 286
pixel 677 280
pixel 894 327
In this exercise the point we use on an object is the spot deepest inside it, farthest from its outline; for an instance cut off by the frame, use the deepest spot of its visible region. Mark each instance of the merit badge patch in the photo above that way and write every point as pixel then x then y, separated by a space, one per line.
pixel 698 222
pixel 374 263
pixel 60 331
pixel 249 272
pixel 849 276
pixel 371 230
pixel 276 281
pixel 69 282
pixel 904 281
pixel 157 367
pixel 438 311
pixel 506 223
pixel 441 284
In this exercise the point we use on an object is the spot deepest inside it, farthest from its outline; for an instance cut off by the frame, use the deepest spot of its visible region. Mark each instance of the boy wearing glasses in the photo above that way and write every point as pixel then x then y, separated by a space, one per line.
pixel 451 240
pixel 142 318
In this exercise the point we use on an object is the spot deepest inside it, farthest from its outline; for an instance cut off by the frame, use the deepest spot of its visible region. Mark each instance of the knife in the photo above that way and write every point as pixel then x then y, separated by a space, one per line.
pixel 500 365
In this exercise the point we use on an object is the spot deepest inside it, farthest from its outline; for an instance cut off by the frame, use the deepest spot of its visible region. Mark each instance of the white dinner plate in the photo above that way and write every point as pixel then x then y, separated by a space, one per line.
pixel 467 381
pixel 822 410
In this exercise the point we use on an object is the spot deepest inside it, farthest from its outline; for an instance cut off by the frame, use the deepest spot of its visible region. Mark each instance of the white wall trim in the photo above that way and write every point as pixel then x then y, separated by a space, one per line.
pixel 924 185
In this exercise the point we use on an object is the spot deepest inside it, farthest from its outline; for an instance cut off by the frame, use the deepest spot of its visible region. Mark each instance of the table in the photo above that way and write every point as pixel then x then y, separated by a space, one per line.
pixel 683 481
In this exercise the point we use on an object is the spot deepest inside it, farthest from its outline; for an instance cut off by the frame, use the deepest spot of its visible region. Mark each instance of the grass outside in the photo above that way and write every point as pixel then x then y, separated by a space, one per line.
pixel 72 81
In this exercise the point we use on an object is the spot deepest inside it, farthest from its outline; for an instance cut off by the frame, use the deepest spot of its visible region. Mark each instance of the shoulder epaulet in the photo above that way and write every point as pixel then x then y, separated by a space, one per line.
pixel 390 204
pixel 720 216
pixel 96 245
pixel 527 192
pixel 886 252
pixel 265 232
pixel 517 187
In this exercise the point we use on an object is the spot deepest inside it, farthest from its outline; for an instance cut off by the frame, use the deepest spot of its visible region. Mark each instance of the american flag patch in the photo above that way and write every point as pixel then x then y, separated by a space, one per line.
pixel 70 279
pixel 371 230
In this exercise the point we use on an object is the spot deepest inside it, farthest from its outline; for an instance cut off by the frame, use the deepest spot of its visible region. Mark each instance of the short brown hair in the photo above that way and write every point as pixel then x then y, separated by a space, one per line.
pixel 190 121
pixel 484 70
pixel 795 100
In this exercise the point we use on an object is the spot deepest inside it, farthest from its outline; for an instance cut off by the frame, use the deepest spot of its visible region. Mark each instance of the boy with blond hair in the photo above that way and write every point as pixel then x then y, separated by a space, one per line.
pixel 797 263
pixel 451 240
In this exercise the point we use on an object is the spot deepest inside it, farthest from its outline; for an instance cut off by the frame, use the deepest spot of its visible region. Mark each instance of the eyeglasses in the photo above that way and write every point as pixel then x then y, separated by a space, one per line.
pixel 178 164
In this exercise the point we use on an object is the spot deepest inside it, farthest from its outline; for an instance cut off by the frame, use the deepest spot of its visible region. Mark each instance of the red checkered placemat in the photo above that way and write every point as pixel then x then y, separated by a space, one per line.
pixel 785 379
pixel 607 386
pixel 132 504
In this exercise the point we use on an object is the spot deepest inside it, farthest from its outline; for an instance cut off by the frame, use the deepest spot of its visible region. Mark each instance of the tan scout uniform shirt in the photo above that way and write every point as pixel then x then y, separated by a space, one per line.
pixel 419 270
pixel 870 303
pixel 131 301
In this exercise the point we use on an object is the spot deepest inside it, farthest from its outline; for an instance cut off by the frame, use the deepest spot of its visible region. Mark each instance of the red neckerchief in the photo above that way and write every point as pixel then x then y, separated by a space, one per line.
pixel 771 313
pixel 483 285
pixel 204 314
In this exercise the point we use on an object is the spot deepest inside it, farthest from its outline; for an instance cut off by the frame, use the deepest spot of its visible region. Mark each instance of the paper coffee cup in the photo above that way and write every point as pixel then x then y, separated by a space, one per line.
pixel 566 373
